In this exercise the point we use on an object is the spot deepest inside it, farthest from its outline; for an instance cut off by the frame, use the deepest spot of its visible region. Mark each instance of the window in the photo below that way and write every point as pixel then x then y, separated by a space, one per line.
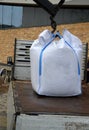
pixel 10 16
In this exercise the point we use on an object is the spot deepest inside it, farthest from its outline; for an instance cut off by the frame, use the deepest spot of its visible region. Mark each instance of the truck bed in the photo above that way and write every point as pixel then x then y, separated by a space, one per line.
pixel 26 101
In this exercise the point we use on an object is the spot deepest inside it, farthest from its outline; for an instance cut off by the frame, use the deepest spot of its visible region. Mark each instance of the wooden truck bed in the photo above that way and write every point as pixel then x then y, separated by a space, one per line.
pixel 28 102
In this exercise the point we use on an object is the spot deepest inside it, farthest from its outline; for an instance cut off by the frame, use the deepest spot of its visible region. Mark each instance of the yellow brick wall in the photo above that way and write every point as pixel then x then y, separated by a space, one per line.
pixel 7 36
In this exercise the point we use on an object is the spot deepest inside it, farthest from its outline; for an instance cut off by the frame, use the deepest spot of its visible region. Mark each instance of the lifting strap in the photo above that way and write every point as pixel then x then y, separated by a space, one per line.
pixel 51 9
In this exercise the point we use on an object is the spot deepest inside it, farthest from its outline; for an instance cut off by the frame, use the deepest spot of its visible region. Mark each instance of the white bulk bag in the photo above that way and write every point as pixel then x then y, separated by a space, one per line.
pixel 55 64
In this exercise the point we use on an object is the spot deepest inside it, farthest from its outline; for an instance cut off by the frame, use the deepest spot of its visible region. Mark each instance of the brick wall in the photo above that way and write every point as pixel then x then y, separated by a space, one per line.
pixel 8 36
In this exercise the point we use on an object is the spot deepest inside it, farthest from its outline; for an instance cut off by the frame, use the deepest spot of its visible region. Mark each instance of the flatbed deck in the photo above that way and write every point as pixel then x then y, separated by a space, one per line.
pixel 26 101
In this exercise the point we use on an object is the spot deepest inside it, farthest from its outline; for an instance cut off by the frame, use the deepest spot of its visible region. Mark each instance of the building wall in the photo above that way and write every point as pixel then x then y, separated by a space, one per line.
pixel 33 16
pixel 7 37
pixel 18 16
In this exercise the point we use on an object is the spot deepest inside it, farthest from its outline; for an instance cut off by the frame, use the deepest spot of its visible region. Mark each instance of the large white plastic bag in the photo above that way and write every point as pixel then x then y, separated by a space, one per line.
pixel 55 69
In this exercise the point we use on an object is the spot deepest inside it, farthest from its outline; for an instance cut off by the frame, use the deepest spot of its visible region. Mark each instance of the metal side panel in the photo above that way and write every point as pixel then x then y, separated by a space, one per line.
pixel 22 52
pixel 24 42
pixel 22 57
pixel 22 63
pixel 82 75
pixel 52 122
pixel 84 62
pixel 21 69
pixel 10 108
pixel 22 73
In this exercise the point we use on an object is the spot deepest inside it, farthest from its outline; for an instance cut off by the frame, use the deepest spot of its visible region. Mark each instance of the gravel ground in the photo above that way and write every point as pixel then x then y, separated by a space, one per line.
pixel 3 111
pixel 7 36
pixel 3 108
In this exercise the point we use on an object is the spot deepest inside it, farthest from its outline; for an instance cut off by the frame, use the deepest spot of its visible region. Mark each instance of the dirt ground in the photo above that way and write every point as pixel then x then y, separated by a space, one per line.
pixel 7 36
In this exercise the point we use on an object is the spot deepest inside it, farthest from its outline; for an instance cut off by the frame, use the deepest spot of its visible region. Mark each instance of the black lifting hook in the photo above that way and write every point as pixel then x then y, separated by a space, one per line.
pixel 51 9
pixel 53 24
